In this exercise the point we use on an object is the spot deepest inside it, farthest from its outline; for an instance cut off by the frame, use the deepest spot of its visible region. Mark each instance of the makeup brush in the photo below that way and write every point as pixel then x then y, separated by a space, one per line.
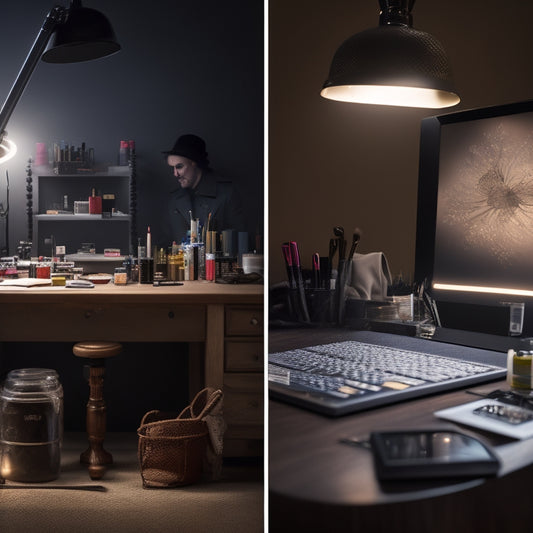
pixel 333 244
pixel 338 231
pixel 355 241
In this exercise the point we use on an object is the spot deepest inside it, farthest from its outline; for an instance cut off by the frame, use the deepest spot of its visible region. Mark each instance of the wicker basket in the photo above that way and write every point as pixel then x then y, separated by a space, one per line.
pixel 172 451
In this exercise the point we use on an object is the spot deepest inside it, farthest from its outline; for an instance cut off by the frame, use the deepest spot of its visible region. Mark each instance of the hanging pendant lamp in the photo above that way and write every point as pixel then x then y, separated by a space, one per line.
pixel 393 64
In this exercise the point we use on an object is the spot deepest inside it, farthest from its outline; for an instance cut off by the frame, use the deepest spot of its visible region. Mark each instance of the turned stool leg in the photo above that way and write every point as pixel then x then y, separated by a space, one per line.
pixel 96 456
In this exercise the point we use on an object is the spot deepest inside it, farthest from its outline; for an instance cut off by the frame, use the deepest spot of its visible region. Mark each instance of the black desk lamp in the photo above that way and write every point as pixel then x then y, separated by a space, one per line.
pixel 81 34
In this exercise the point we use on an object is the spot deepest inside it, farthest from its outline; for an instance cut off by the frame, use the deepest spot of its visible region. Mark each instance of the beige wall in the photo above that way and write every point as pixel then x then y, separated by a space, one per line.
pixel 334 163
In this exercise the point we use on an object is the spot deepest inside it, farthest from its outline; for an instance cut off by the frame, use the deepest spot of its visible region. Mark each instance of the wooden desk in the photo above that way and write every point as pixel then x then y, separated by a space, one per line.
pixel 318 484
pixel 213 318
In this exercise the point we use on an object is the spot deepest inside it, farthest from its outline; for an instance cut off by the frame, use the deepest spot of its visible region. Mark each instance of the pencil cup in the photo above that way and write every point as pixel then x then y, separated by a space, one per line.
pixel 321 305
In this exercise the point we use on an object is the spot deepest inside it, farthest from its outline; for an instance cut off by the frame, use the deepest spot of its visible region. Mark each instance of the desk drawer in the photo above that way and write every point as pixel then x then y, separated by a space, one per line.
pixel 244 320
pixel 117 322
pixel 244 355
pixel 243 399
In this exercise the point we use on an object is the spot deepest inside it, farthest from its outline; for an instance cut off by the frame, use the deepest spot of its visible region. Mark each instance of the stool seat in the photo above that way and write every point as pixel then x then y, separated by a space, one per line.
pixel 97 349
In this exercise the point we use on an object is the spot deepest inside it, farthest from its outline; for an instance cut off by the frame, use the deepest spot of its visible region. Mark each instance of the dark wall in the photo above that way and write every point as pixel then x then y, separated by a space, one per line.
pixel 334 163
pixel 185 67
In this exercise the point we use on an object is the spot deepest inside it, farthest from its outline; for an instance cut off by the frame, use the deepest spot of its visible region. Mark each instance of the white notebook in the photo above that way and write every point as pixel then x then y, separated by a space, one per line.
pixel 492 415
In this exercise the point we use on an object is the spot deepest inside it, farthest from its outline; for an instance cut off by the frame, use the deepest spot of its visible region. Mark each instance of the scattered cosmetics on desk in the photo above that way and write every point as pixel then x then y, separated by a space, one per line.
pixel 190 261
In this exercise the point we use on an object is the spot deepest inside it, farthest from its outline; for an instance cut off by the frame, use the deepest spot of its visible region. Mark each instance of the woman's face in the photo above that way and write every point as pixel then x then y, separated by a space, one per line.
pixel 186 170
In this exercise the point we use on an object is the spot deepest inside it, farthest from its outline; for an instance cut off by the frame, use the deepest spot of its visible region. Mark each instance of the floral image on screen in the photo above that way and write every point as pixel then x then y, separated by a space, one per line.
pixel 484 224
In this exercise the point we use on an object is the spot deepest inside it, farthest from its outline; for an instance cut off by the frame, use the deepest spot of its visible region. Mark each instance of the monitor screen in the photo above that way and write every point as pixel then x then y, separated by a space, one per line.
pixel 475 217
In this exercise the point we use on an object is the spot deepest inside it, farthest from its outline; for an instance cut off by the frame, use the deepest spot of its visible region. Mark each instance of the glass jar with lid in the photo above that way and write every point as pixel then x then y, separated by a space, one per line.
pixel 31 425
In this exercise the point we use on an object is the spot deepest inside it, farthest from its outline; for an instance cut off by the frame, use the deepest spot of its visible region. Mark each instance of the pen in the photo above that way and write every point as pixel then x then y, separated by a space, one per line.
pixel 332 249
pixel 324 272
pixel 297 273
pixel 341 274
pixel 316 270
pixel 288 264
pixel 356 237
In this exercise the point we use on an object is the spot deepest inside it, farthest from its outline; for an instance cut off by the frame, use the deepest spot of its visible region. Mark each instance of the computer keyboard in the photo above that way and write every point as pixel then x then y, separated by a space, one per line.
pixel 363 374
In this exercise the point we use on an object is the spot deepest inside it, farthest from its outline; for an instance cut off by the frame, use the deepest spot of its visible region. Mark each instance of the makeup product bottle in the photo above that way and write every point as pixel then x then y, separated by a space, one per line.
pixel 95 204
pixel 148 243
pixel 141 250
pixel 123 153
pixel 210 267
pixel 172 268
pixel 161 266
pixel 146 270
pixel 120 276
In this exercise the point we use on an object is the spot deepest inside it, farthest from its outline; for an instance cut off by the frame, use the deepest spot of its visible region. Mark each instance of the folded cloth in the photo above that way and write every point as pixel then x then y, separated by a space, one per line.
pixel 369 277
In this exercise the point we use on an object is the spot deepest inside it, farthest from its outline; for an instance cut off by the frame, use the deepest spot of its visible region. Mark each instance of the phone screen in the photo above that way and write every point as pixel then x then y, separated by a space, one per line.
pixel 439 445
pixel 423 454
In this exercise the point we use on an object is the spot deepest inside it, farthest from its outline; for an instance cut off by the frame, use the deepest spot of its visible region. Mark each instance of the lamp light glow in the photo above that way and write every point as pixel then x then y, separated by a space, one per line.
pixel 391 95
pixel 393 64
pixel 480 289
pixel 8 149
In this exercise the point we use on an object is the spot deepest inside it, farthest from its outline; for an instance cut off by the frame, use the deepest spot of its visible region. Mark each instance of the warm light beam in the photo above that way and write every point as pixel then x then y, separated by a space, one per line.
pixel 484 290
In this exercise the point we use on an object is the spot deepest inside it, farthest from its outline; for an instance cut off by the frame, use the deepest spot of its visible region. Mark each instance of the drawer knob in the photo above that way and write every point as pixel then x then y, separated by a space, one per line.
pixel 254 321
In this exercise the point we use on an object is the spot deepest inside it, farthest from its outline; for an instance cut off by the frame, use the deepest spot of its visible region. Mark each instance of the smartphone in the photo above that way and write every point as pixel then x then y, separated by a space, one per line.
pixel 423 454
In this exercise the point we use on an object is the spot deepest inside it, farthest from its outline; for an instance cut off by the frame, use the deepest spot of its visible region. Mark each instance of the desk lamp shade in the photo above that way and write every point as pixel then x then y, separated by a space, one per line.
pixel 393 64
pixel 86 34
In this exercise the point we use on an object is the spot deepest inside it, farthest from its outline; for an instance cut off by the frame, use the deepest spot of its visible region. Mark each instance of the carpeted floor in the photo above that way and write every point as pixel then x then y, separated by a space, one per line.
pixel 233 503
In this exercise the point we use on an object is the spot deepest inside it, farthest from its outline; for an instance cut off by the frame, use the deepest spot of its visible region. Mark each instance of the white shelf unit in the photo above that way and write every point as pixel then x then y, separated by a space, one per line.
pixel 72 230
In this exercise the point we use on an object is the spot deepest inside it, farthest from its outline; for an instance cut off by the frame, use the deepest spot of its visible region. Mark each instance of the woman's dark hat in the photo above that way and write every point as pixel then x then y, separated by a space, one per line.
pixel 192 147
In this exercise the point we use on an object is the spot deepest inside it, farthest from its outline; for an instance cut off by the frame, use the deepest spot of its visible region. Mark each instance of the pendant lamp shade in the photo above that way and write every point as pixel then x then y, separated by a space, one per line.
pixel 393 64
pixel 86 34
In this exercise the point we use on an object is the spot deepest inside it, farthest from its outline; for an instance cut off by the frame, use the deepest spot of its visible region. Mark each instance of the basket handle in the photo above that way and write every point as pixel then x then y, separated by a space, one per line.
pixel 214 397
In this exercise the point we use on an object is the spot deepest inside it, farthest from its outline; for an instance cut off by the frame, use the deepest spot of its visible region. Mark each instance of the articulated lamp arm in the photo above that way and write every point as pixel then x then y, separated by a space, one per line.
pixel 56 16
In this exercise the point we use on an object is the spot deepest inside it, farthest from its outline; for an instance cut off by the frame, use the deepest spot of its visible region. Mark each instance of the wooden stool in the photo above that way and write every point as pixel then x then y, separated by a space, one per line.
pixel 96 352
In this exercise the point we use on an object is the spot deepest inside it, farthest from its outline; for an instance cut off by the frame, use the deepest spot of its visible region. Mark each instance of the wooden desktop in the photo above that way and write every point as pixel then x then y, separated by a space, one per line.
pixel 222 323
pixel 317 483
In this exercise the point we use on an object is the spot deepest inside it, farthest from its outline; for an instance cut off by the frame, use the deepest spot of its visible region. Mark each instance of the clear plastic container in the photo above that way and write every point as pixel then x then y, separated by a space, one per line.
pixel 31 425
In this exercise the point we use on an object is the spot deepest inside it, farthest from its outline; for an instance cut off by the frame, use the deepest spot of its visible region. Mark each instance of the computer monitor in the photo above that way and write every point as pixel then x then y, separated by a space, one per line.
pixel 474 244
